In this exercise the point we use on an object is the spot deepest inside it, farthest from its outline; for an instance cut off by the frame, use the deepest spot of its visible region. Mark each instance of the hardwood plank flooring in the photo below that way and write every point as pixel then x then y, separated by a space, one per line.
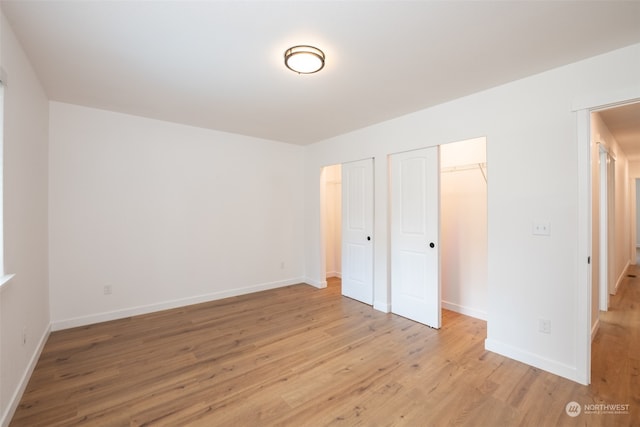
pixel 299 356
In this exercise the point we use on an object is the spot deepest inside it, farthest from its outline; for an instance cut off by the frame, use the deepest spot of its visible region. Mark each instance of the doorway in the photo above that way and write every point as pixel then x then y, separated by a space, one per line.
pixel 331 184
pixel 346 192
pixel 464 239
pixel 625 110
pixel 615 141
pixel 439 250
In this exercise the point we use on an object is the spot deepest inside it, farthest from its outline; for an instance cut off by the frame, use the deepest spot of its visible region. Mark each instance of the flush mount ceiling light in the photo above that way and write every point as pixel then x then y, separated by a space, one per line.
pixel 304 59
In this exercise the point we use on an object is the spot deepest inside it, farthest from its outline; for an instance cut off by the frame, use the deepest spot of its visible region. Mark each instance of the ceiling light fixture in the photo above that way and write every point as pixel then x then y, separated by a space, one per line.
pixel 304 59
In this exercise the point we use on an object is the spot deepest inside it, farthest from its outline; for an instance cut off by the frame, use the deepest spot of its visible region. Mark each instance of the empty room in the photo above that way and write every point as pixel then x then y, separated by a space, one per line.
pixel 258 213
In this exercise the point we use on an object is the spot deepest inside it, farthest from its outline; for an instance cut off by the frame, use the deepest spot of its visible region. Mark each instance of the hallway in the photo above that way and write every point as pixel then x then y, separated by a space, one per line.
pixel 615 364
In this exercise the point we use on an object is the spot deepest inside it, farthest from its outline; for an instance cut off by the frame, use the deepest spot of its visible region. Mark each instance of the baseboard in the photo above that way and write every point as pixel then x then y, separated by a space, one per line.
pixel 382 306
pixel 24 380
pixel 621 277
pixel 557 368
pixel 166 305
pixel 334 274
pixel 594 329
pixel 315 283
pixel 467 311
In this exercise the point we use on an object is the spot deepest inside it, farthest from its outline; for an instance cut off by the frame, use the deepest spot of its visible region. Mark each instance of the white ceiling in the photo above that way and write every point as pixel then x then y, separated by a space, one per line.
pixel 219 64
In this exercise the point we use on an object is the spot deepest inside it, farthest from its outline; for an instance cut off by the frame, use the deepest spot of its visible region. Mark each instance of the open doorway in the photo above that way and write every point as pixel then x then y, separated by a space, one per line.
pixel 463 227
pixel 615 155
pixel 347 228
pixel 331 219
pixel 438 231
pixel 612 162
pixel 462 201
pixel 587 292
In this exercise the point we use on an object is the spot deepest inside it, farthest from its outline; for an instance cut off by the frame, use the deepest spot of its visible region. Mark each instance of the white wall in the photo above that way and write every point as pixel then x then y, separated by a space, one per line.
pixel 622 226
pixel 24 302
pixel 463 226
pixel 165 214
pixel 533 157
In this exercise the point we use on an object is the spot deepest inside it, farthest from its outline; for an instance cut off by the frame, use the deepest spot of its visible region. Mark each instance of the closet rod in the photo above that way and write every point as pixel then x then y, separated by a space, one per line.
pixel 463 167
pixel 471 166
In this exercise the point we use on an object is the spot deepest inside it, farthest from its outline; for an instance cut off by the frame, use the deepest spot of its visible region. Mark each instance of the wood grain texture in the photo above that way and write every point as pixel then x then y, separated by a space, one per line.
pixel 300 356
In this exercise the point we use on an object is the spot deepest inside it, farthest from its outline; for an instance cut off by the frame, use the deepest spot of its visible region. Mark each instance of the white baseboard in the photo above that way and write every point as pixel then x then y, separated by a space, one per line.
pixel 166 305
pixel 24 380
pixel 467 311
pixel 334 274
pixel 621 277
pixel 382 306
pixel 315 283
pixel 555 367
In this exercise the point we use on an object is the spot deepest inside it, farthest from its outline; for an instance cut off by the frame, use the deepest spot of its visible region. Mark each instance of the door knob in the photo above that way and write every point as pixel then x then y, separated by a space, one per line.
pixel 368 237
pixel 432 245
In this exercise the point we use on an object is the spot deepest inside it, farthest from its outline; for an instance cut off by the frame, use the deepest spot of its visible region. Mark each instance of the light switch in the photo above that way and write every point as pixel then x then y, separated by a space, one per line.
pixel 541 228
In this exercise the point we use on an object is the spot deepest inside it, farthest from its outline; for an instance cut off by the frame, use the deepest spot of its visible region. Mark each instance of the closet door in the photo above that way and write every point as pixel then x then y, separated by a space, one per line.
pixel 415 245
pixel 357 230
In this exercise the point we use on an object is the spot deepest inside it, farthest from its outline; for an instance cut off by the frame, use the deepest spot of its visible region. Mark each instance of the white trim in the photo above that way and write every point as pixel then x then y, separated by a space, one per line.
pixel 24 380
pixel 166 305
pixel 467 311
pixel 2 132
pixel 599 101
pixel 382 306
pixel 315 283
pixel 532 359
pixel 4 280
pixel 625 271
pixel 583 294
pixel 604 210
pixel 333 274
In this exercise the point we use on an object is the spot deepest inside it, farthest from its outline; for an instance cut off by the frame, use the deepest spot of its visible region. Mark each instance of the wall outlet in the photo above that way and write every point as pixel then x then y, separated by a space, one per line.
pixel 108 290
pixel 541 228
pixel 544 326
pixel 282 265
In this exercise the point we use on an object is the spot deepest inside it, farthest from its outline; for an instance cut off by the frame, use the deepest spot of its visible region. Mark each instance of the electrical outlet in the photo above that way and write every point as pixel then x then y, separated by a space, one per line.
pixel 544 326
pixel 282 265
pixel 108 290
pixel 541 228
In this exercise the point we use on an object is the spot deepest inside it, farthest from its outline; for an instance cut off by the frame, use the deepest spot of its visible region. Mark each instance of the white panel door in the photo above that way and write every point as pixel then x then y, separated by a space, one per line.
pixel 357 230
pixel 415 226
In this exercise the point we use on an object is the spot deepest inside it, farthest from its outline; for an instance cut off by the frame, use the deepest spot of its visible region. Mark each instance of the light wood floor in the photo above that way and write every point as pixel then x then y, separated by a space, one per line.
pixel 299 356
